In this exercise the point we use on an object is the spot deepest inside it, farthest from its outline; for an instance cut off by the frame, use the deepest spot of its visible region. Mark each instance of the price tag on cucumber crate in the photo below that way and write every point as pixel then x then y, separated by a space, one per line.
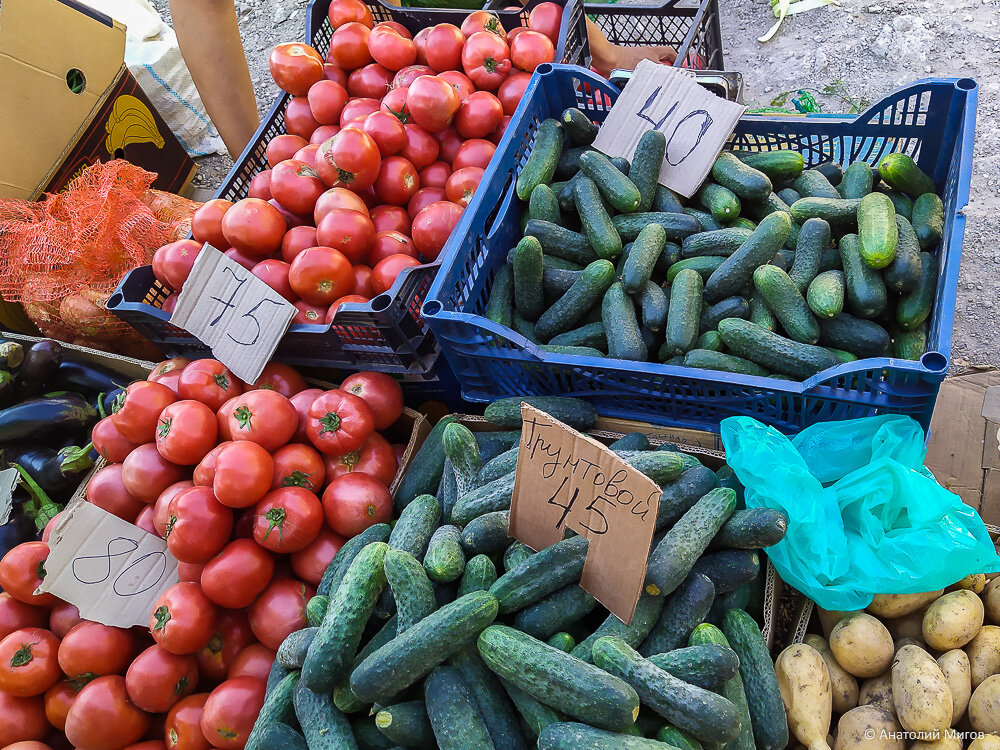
pixel 566 480
pixel 240 317
pixel 695 122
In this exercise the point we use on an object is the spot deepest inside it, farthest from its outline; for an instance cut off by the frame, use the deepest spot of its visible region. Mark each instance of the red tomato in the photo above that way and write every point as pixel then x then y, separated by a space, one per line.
pixel 254 227
pixel 168 371
pixel 210 382
pixel 444 47
pixel 395 104
pixel 301 401
pixel 486 60
pixel 23 719
pixel 295 67
pixel 347 231
pixel 333 199
pixel 223 417
pixel 186 432
pixel 391 49
pixel 172 263
pixel 282 147
pixel 370 82
pixel 349 299
pixel 479 115
pixel 204 472
pixel 433 226
pixel 107 488
pixel 298 465
pixel 546 18
pixel 433 103
pixel 381 392
pixel 296 186
pixel 183 726
pixel 349 46
pixel 320 134
pixel 110 443
pixel 137 410
pixel 287 519
pixel 198 525
pixel 234 577
pixel 190 572
pixel 362 281
pixel 339 422
pixel 280 610
pixel 247 261
pixel 421 148
pixel 387 132
pixel 145 519
pixel 326 101
pixel 15 614
pixel 243 474
pixel 385 273
pixel 103 718
pixel 390 243
pixel 460 82
pixel 58 699
pixel 422 199
pixel 474 153
pixel 531 49
pixel 463 184
pixel 295 241
pixel 145 473
pixel 230 712
pixel 334 73
pixel 28 664
pixel 497 134
pixel 355 501
pixel 157 679
pixel 309 315
pixel 232 635
pixel 376 458
pixel 319 275
pixel 307 154
pixel 93 648
pixel 253 661
pixel 514 32
pixel 260 185
pixel 482 20
pixel 310 563
pixel 450 141
pixel 350 159
pixel 63 618
pixel 152 744
pixel 161 510
pixel 397 181
pixel 434 174
pixel 343 12
pixel 274 273
pixel 206 223
pixel 398 28
pixel 299 119
pixel 405 76
pixel 420 42
pixel 49 527
pixel 391 218
pixel 182 619
pixel 511 91
pixel 263 416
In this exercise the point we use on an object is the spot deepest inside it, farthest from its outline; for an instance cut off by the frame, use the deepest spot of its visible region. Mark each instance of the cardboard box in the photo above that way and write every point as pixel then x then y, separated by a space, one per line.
pixel 69 102
pixel 963 449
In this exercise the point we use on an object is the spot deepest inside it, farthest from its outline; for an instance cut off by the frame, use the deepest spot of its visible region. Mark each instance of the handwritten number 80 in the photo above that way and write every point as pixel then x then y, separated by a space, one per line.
pixel 104 572
pixel 706 123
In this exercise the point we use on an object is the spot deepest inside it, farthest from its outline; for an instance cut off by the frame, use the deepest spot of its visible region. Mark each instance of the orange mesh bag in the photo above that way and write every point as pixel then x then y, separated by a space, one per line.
pixel 63 256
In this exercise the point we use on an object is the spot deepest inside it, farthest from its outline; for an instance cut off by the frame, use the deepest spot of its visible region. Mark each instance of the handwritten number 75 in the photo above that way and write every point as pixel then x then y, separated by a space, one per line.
pixel 228 304
pixel 698 114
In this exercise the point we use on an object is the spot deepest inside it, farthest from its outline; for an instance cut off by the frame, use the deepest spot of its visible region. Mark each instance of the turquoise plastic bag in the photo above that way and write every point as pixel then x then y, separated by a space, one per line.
pixel 865 516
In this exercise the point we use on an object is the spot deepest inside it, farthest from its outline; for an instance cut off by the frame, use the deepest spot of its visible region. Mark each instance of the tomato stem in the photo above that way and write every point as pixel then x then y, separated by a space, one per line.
pixel 164 428
pixel 344 176
pixel 297 479
pixel 162 616
pixel 350 460
pixel 22 656
pixel 243 416
pixel 221 380
pixel 182 685
pixel 118 403
pixel 275 519
pixel 330 422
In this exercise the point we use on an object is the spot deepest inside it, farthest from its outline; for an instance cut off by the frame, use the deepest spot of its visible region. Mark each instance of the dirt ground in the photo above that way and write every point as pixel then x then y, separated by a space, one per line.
pixel 864 49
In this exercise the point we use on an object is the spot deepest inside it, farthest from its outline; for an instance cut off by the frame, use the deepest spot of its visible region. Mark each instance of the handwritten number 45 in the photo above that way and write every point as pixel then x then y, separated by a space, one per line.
pixel 706 122
pixel 569 506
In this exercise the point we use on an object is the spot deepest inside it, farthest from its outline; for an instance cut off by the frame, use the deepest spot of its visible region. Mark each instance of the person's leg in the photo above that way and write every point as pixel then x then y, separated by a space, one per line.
pixel 606 56
pixel 209 39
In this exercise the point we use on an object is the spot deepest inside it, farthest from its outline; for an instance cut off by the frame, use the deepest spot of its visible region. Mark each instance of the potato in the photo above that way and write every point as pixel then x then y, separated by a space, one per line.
pixel 900 642
pixel 920 692
pixel 949 740
pixel 897 605
pixel 984 706
pixel 984 654
pixel 908 626
pixel 804 682
pixel 985 742
pixel 868 728
pixel 842 683
pixel 862 645
pixel 878 692
pixel 955 666
pixel 992 600
pixel 975 582
pixel 829 617
pixel 953 620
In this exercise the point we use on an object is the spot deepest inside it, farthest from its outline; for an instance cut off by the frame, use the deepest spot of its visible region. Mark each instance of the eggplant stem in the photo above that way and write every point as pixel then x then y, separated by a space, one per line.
pixel 46 510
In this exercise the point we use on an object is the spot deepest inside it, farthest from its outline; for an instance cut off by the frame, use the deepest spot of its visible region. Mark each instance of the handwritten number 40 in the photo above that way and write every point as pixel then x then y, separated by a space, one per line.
pixel 706 122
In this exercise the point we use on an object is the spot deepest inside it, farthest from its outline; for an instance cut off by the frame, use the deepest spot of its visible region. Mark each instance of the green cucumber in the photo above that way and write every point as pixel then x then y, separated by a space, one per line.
pixel 619 190
pixel 330 654
pixel 411 588
pixel 462 450
pixel 337 568
pixel 542 161
pixel 581 129
pixel 489 697
pixel 737 270
pixel 732 690
pixel 488 498
pixel 683 312
pixel 502 459
pixel 486 534
pixel 862 338
pixel 902 204
pixel 838 212
pixel 645 169
pixel 618 315
pixel 719 201
pixel 730 307
pixel 722 242
pixel 367 735
pixel 453 715
pixel 515 554
pixel 904 272
pixel 780 165
pixel 544 572
pixel 752 528
pixel 666 201
pixel 562 641
pixel 825 295
pixel 292 651
pixel 831 170
pixel 343 696
pixel 577 413
pixel 814 238
pixel 675 226
pixel 742 179
pixel 280 736
pixel 597 226
pixel 418 521
pixel 500 306
pixel 278 707
pixel 569 735
pixel 536 715
pixel 573 305
pixel 704 220
pixel 405 659
pixel 707 716
pixel 633 441
pixel 788 195
pixel 560 242
pixel 708 666
pixel 654 304
pixel 275 675
pixel 787 304
pixel 576 351
pixel 729 569
pixel 682 493
pixel 877 230
pixel 901 173
pixel 830 260
pixel 445 559
pixel 642 258
pixel 776 353
pixel 324 726
pixel 866 293
pixel 574 687
pixel 406 724
pixel 523 326
pixel 647 612
pixel 674 737
pixel 704 266
pixel 708 341
pixel 928 220
pixel 840 354
pixel 675 555
pixel 424 472
pixel 661 466
pixel 813 184
pixel 557 281
pixel 527 277
pixel 710 360
pixel 910 344
pixel 915 307
pixel 683 610
pixel 569 163
pixel 553 613
pixel 761 315
pixel 480 573
pixel 591 335
pixel 316 608
pixel 857 181
pixel 767 712
pixel 544 205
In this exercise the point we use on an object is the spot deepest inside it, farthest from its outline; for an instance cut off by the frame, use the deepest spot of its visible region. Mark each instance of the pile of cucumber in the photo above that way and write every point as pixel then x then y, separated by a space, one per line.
pixel 443 632
pixel 770 270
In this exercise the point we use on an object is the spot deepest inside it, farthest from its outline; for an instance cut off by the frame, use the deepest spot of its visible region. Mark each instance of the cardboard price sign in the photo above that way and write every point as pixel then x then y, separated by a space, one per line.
pixel 111 570
pixel 565 480
pixel 239 316
pixel 8 482
pixel 695 122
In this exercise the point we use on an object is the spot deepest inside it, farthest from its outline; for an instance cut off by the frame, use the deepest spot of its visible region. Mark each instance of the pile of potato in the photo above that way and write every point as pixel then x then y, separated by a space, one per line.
pixel 926 664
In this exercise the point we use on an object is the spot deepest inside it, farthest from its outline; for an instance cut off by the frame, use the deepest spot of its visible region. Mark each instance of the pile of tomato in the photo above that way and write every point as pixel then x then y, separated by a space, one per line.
pixel 387 139
pixel 255 488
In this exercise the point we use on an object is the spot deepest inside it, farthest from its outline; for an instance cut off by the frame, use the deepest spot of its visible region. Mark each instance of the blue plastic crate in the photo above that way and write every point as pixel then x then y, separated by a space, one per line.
pixel 932 120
